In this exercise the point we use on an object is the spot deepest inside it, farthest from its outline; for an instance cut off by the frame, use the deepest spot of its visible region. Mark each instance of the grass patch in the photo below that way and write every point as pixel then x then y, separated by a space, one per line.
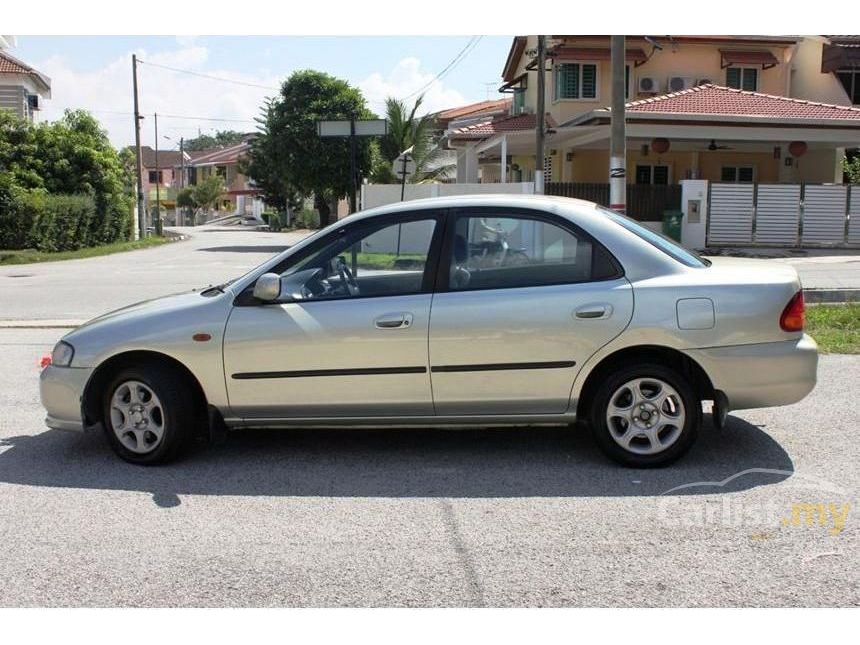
pixel 836 328
pixel 404 261
pixel 28 256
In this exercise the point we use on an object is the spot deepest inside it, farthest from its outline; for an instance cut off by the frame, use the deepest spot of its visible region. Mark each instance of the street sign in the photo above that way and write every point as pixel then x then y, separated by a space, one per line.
pixel 402 169
pixel 352 129
pixel 363 128
pixel 404 164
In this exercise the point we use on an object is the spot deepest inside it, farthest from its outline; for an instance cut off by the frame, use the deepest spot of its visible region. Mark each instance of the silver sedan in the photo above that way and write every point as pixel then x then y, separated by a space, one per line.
pixel 480 310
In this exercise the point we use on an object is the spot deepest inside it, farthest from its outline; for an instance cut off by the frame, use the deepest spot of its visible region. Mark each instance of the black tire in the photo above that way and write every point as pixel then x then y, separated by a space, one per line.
pixel 616 380
pixel 181 412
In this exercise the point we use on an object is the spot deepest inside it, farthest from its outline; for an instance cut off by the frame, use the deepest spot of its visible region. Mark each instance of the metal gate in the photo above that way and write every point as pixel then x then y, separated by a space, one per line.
pixel 783 215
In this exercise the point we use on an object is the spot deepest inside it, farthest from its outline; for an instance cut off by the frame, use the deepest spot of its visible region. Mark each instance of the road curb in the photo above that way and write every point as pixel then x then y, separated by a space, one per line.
pixel 817 296
pixel 40 324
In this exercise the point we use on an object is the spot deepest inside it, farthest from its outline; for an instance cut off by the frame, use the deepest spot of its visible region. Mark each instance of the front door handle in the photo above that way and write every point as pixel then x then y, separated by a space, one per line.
pixel 594 312
pixel 394 321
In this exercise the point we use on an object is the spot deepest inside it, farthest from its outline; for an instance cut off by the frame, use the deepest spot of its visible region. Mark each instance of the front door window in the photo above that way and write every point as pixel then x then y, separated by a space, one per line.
pixel 380 261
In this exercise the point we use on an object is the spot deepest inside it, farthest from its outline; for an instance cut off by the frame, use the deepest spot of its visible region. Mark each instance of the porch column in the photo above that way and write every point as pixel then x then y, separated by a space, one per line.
pixel 504 173
pixel 467 165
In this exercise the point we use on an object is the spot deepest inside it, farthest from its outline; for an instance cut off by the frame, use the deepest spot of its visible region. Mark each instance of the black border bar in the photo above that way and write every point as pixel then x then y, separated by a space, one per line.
pixel 357 371
pixel 375 371
pixel 493 367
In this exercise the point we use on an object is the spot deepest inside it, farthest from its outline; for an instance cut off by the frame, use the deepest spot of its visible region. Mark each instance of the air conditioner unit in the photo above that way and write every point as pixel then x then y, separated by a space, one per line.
pixel 679 83
pixel 648 85
pixel 704 81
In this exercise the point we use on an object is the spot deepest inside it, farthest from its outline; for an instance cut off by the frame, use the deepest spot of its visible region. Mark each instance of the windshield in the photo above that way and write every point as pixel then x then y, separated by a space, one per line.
pixel 669 246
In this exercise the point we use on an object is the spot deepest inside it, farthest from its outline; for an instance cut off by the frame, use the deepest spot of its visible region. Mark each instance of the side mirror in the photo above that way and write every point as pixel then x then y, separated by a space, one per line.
pixel 268 287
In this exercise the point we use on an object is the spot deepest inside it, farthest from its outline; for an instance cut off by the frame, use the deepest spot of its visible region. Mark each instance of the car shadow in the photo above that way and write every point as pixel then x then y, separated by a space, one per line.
pixel 517 462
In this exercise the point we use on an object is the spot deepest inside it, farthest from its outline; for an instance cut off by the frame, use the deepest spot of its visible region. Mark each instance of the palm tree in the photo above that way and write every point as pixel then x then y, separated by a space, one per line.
pixel 405 130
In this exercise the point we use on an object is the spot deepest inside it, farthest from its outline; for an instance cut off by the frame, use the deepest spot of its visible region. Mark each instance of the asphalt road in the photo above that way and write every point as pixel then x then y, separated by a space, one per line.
pixel 430 518
pixel 83 289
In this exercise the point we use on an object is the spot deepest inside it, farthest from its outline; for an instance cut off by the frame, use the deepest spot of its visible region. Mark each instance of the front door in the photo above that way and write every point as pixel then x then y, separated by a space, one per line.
pixel 348 336
pixel 523 300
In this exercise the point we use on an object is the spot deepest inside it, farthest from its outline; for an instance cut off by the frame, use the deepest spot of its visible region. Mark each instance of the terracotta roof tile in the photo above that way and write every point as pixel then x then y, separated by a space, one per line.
pixel 497 126
pixel 474 109
pixel 11 65
pixel 715 99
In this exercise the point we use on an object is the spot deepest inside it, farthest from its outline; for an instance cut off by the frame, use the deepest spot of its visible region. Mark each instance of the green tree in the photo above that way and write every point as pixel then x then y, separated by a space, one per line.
pixel 71 156
pixel 289 159
pixel 406 129
pixel 851 167
pixel 207 192
pixel 221 139
pixel 185 200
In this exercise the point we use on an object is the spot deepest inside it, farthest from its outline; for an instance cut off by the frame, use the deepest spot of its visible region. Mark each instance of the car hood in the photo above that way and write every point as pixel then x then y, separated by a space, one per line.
pixel 146 308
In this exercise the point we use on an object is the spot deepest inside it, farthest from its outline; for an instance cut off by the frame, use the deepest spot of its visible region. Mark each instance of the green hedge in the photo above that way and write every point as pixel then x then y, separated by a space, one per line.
pixel 37 220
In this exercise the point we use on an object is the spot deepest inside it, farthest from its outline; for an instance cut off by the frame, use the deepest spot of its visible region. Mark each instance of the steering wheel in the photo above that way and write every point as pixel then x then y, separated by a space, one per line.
pixel 346 277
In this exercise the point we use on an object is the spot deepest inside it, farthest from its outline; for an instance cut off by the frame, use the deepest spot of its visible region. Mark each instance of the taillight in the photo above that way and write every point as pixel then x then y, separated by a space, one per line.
pixel 792 318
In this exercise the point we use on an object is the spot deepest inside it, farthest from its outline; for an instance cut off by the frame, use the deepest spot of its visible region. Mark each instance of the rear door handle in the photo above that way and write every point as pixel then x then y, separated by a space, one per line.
pixel 394 321
pixel 594 312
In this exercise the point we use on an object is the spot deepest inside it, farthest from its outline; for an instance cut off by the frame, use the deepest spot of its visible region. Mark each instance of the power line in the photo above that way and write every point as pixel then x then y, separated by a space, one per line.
pixel 449 67
pixel 210 76
pixel 176 116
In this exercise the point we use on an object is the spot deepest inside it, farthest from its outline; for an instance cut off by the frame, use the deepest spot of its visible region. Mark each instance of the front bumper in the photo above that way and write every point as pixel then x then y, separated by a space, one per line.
pixel 61 389
pixel 763 374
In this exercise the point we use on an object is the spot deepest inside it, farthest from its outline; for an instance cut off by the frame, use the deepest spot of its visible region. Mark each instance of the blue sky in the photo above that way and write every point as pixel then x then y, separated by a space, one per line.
pixel 93 72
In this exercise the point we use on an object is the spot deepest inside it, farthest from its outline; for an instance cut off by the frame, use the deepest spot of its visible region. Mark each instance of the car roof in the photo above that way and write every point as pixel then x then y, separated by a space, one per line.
pixel 490 199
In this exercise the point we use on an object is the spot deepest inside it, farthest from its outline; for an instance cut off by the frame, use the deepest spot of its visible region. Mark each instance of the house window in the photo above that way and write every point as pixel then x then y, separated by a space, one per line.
pixel 575 81
pixel 742 78
pixel 850 79
pixel 156 177
pixel 738 174
pixel 221 171
pixel 520 97
pixel 646 174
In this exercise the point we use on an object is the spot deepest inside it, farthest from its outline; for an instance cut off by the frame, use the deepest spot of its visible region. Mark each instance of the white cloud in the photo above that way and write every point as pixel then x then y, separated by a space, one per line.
pixel 108 90
pixel 404 79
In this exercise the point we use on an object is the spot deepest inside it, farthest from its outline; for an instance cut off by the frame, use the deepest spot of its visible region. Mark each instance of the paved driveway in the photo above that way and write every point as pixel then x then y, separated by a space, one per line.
pixel 430 518
pixel 83 289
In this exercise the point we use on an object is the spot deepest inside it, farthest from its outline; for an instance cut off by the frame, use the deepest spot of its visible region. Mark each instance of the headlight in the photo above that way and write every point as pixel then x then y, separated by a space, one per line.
pixel 62 354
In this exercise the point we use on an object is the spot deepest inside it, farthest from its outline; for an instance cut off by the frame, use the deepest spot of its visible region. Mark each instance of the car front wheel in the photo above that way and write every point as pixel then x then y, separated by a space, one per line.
pixel 148 416
pixel 645 416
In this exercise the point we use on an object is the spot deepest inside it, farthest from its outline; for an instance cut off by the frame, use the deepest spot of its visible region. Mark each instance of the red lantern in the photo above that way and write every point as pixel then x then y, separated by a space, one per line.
pixel 660 145
pixel 797 148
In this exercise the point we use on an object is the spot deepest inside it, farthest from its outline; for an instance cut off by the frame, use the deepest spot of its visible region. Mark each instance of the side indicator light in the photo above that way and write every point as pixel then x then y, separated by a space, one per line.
pixel 45 361
pixel 201 338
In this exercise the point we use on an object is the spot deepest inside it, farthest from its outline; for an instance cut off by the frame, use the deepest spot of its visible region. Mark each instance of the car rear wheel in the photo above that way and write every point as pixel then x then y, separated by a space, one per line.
pixel 149 417
pixel 645 416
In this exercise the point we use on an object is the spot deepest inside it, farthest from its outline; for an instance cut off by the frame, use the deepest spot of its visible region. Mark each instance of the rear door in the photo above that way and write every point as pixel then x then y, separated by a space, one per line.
pixel 522 300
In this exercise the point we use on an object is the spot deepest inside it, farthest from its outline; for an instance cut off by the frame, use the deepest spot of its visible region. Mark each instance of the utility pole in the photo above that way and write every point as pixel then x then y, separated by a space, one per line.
pixel 540 119
pixel 141 213
pixel 181 162
pixel 618 134
pixel 157 182
pixel 353 154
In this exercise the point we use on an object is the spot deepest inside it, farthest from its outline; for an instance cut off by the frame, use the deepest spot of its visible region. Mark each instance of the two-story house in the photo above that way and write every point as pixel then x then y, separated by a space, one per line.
pixel 241 196
pixel 22 88
pixel 723 108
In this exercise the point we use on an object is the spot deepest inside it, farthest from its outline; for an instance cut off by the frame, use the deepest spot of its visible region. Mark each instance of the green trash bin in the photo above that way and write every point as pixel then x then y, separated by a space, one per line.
pixel 672 224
